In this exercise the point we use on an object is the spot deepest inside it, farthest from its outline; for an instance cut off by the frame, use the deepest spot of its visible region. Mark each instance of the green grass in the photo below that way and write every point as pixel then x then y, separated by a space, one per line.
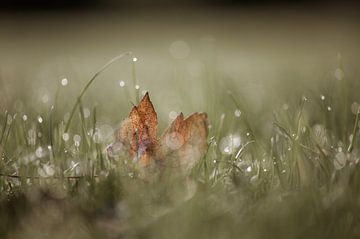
pixel 296 173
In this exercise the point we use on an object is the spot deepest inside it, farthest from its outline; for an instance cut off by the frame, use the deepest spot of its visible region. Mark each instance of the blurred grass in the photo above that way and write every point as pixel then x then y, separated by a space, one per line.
pixel 295 173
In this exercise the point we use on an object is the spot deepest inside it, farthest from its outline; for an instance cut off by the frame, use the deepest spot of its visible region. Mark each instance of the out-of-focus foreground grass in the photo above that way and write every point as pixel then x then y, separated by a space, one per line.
pixel 285 167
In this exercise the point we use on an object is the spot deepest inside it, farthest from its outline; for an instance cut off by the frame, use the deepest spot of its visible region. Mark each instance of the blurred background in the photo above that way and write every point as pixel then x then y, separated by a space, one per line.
pixel 256 44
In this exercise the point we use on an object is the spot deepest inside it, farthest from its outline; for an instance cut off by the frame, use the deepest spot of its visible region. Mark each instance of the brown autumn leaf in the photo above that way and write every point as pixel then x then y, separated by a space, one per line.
pixel 182 144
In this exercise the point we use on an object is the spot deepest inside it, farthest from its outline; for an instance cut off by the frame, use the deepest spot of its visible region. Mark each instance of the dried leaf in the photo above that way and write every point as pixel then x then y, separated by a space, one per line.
pixel 182 144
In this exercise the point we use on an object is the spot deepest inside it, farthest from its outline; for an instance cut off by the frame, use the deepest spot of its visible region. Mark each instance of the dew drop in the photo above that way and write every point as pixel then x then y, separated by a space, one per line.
pixel 24 117
pixel 322 97
pixel 227 150
pixel 77 139
pixel 64 82
pixel 229 143
pixel 122 83
pixel 137 87
pixel 248 169
pixel 40 119
pixel 134 59
pixel 237 113
pixel 39 152
pixel 65 136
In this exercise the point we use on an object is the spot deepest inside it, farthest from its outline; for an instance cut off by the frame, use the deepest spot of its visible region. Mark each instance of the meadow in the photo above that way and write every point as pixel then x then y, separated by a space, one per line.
pixel 284 168
pixel 282 99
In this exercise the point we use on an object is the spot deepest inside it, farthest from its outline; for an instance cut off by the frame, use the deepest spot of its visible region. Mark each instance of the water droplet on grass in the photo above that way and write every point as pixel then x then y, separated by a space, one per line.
pixel 39 152
pixel 122 83
pixel 248 169
pixel 229 143
pixel 77 139
pixel 65 137
pixel 227 150
pixel 237 113
pixel 64 82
